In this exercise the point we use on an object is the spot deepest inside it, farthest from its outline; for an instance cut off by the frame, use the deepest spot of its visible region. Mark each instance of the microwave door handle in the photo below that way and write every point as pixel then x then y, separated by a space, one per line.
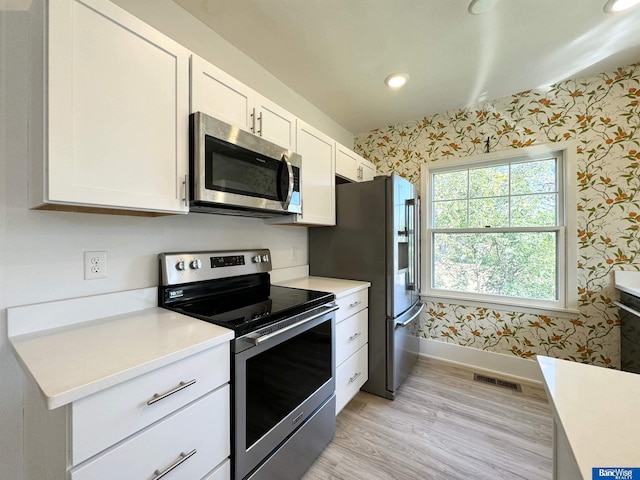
pixel 287 200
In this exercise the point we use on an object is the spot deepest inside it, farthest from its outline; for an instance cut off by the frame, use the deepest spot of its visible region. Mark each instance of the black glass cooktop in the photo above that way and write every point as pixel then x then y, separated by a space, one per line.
pixel 249 309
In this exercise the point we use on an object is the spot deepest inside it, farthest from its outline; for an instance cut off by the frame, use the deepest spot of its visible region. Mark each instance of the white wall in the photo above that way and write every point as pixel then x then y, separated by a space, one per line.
pixel 41 253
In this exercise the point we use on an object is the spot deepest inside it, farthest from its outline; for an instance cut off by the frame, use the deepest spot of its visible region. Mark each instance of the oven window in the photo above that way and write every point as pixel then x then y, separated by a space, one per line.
pixel 233 169
pixel 281 378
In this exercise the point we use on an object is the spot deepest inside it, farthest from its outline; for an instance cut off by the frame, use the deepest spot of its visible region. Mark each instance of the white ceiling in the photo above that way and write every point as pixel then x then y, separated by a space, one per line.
pixel 336 53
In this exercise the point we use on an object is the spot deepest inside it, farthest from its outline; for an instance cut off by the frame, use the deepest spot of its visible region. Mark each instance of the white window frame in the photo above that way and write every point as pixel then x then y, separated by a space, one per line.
pixel 567 304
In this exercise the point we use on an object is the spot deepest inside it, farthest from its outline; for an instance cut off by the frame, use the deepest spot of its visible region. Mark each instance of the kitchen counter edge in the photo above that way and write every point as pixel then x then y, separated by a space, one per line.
pixel 76 360
pixel 338 286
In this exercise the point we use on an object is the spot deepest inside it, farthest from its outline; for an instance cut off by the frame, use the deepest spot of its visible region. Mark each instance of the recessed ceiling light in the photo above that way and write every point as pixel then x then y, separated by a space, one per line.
pixel 478 7
pixel 396 80
pixel 617 6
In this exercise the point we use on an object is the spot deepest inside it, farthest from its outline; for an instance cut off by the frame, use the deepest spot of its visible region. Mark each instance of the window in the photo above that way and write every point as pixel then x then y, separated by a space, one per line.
pixel 499 230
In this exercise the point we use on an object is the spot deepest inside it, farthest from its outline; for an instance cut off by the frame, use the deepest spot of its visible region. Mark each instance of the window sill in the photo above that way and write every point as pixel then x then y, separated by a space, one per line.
pixel 569 313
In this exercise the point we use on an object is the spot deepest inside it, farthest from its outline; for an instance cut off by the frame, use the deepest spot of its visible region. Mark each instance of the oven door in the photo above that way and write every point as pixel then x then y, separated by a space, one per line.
pixel 629 309
pixel 279 383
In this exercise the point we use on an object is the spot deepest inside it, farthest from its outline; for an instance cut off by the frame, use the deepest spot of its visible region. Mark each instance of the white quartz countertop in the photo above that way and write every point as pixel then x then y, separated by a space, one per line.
pixel 72 361
pixel 627 281
pixel 597 408
pixel 337 286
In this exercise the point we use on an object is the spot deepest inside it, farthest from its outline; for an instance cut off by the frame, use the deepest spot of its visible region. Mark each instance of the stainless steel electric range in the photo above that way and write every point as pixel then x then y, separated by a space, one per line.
pixel 283 362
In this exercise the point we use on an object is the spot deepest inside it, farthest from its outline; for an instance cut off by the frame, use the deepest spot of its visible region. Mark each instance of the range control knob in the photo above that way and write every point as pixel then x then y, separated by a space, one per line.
pixel 265 258
pixel 181 265
pixel 257 259
pixel 196 264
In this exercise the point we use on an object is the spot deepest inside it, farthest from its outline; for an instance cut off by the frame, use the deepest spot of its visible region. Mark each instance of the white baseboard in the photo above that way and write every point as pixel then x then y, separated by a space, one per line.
pixel 481 361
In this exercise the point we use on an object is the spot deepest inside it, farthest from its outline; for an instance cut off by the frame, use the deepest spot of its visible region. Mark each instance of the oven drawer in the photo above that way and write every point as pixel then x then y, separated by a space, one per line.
pixel 196 438
pixel 102 419
pixel 351 335
pixel 351 304
pixel 350 376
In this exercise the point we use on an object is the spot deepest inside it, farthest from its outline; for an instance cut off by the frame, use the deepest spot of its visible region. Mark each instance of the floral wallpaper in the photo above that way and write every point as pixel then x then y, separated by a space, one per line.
pixel 602 114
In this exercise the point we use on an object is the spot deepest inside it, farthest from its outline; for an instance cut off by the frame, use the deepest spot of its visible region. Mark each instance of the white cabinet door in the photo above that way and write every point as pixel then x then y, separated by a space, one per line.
pixel 274 123
pixel 350 376
pixel 352 166
pixel 117 107
pixel 220 95
pixel 187 443
pixel 346 163
pixel 318 171
pixel 367 170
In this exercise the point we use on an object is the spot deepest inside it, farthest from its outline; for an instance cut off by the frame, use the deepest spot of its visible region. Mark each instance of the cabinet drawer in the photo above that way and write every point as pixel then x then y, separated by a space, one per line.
pixel 201 429
pixel 102 419
pixel 223 472
pixel 351 304
pixel 350 376
pixel 351 334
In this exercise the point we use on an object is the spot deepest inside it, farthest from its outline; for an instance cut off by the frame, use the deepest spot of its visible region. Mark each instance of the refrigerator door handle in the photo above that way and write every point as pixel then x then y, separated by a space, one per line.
pixel 410 213
pixel 411 318
pixel 417 239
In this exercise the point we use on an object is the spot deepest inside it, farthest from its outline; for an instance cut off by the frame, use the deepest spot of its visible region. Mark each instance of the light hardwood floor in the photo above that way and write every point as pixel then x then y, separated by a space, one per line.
pixel 442 425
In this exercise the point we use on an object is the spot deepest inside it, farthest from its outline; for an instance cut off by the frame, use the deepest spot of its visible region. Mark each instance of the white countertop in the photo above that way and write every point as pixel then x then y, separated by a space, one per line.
pixel 598 410
pixel 72 361
pixel 337 286
pixel 627 281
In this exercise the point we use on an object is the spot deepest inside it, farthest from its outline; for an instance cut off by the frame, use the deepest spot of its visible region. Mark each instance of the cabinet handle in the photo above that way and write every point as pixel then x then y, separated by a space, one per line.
pixel 354 336
pixel 253 121
pixel 186 190
pixel 183 458
pixel 157 396
pixel 354 378
pixel 354 304
pixel 260 123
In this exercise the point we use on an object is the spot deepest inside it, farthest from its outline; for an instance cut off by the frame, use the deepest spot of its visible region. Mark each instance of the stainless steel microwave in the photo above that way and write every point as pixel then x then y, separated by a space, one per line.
pixel 234 172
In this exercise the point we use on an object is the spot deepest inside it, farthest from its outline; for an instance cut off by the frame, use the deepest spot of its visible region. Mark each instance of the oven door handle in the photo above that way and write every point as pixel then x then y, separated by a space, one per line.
pixel 263 338
pixel 287 201
pixel 628 309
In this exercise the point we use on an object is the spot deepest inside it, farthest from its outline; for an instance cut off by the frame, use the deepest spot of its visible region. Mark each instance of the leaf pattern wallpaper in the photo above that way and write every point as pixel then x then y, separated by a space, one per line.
pixel 601 114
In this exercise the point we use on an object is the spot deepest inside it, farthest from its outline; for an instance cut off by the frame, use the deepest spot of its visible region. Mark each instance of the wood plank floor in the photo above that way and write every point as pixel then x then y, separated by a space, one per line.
pixel 442 425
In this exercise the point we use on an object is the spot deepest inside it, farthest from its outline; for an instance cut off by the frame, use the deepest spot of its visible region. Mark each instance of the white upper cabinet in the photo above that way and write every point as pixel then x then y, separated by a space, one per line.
pixel 219 95
pixel 110 106
pixel 351 166
pixel 317 179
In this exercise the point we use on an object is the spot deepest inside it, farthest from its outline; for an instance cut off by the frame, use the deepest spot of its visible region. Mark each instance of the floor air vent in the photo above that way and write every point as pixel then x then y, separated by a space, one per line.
pixel 496 381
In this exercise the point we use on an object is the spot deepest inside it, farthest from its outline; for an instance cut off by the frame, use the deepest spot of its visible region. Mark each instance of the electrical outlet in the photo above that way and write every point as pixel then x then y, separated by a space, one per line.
pixel 95 265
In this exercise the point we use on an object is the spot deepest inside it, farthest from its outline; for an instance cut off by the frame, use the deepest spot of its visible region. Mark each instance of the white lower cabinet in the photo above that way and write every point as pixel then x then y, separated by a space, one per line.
pixel 187 444
pixel 128 407
pixel 223 472
pixel 350 376
pixel 352 354
pixel 175 418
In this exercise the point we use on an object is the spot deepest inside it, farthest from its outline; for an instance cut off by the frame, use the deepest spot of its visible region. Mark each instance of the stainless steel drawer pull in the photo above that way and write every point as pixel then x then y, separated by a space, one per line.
pixel 355 377
pixel 354 336
pixel 157 396
pixel 355 304
pixel 183 458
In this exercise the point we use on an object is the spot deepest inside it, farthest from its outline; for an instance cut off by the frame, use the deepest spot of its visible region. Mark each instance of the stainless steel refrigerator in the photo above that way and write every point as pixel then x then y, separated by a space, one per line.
pixel 377 239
